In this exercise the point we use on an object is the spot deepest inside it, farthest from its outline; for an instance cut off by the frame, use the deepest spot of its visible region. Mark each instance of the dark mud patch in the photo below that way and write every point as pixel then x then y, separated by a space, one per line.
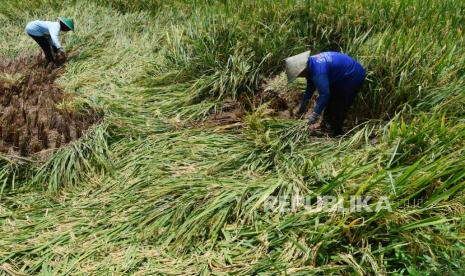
pixel 231 112
pixel 34 116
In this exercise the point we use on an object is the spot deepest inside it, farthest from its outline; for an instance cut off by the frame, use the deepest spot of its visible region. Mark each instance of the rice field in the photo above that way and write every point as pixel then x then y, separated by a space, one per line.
pixel 196 165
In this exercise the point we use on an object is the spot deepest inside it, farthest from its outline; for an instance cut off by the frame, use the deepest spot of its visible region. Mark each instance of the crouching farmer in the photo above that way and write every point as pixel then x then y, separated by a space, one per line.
pixel 336 76
pixel 46 34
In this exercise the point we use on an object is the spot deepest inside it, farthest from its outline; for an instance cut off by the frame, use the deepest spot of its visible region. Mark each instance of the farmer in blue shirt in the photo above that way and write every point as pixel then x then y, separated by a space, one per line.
pixel 336 76
pixel 46 34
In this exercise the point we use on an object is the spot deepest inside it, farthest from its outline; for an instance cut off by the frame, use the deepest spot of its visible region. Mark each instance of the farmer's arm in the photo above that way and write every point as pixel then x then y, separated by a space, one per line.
pixel 322 85
pixel 307 96
pixel 54 35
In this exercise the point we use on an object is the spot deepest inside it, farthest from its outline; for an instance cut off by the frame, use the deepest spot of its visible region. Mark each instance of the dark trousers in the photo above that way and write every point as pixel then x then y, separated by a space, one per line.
pixel 48 48
pixel 340 101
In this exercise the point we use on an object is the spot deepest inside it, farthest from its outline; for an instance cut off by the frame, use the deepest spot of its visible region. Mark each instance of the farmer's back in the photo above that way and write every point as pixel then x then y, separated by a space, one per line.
pixel 339 67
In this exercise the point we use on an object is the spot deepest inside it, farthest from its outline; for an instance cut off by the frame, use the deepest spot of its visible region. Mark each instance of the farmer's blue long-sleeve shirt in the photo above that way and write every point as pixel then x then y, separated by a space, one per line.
pixel 329 71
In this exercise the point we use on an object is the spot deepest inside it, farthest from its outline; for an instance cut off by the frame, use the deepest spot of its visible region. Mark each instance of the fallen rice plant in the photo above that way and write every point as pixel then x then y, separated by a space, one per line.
pixel 192 152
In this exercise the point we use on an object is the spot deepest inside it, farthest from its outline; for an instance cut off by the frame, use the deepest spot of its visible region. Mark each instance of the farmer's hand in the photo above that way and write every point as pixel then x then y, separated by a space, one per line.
pixel 313 123
pixel 313 119
pixel 314 126
pixel 61 55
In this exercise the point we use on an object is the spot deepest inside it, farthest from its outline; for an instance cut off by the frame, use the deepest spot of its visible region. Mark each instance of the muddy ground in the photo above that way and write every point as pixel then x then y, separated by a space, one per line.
pixel 33 118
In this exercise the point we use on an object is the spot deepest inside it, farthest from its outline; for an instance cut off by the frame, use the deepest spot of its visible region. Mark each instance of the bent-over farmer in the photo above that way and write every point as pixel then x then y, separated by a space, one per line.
pixel 336 76
pixel 46 34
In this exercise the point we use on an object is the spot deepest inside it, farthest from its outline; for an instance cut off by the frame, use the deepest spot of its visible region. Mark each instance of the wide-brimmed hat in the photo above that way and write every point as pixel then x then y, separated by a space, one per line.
pixel 295 65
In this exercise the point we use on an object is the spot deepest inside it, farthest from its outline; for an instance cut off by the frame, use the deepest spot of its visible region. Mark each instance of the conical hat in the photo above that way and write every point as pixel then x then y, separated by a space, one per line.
pixel 68 22
pixel 295 65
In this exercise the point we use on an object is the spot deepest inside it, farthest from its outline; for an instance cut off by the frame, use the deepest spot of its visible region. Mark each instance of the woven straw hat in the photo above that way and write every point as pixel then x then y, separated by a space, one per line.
pixel 295 65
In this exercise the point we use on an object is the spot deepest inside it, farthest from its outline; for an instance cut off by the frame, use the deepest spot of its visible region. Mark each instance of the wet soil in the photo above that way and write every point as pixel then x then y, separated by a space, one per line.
pixel 231 112
pixel 33 116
